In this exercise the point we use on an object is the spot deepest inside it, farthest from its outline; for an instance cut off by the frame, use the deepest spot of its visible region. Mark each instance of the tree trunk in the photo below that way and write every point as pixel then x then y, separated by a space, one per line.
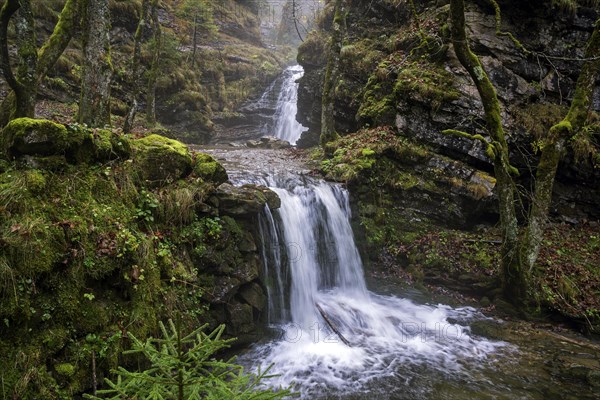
pixel 28 58
pixel 94 106
pixel 135 68
pixel 24 83
pixel 154 68
pixel 194 40
pixel 515 279
pixel 328 132
pixel 48 54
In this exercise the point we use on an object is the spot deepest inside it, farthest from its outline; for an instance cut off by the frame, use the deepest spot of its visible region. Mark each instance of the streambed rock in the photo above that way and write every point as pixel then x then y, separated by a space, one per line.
pixel 268 142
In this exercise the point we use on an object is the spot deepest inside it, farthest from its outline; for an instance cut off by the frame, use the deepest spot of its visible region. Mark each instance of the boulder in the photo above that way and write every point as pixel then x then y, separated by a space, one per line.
pixel 209 169
pixel 254 295
pixel 222 290
pixel 41 143
pixel 159 160
pixel 240 318
pixel 245 200
pixel 247 271
pixel 103 145
pixel 38 137
pixel 268 142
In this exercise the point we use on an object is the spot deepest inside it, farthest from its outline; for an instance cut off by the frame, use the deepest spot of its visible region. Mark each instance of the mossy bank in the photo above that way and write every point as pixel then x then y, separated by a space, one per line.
pixel 102 234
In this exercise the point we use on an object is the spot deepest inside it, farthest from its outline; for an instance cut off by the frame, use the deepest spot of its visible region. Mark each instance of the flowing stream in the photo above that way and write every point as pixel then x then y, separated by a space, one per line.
pixel 333 338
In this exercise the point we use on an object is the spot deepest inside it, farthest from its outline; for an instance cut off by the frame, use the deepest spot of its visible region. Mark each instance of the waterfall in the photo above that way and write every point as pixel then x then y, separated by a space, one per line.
pixel 319 246
pixel 335 338
pixel 310 259
pixel 286 126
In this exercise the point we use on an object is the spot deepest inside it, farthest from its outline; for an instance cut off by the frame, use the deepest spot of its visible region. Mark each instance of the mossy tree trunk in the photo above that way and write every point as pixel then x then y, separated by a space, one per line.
pixel 515 278
pixel 519 252
pixel 154 68
pixel 48 54
pixel 554 146
pixel 24 83
pixel 94 105
pixel 135 69
pixel 328 132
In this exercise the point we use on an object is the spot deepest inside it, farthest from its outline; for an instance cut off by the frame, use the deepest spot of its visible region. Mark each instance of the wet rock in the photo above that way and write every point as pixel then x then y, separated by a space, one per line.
pixel 253 294
pixel 273 200
pixel 488 328
pixel 247 271
pixel 240 318
pixel 245 200
pixel 222 290
pixel 159 160
pixel 268 142
pixel 577 366
pixel 247 244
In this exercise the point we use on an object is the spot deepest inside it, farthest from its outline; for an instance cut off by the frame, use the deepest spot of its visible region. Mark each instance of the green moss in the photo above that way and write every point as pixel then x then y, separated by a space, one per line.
pixel 314 49
pixel 427 83
pixel 378 104
pixel 65 369
pixel 209 169
pixel 35 181
pixel 36 137
pixel 159 160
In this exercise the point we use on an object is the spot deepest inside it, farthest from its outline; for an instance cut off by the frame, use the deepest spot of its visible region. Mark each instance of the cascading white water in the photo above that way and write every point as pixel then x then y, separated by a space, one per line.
pixel 286 126
pixel 386 334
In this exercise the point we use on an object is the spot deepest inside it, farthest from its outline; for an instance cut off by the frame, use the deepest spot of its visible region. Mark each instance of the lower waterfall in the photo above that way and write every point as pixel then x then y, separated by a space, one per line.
pixel 318 300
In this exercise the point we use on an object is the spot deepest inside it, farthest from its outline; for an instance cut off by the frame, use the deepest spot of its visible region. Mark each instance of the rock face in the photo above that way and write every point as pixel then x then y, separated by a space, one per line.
pixel 387 79
pixel 244 200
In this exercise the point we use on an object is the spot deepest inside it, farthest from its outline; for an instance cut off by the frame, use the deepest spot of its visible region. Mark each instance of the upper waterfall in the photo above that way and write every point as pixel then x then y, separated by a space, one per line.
pixel 286 126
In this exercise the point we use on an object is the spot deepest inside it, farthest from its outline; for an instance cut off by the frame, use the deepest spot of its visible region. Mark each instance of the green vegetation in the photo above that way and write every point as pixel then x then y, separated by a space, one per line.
pixel 183 367
pixel 96 245
pixel 389 175
pixel 396 79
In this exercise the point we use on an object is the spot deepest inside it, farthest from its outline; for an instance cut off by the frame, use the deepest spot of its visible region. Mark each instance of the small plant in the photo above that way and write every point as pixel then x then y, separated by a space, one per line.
pixel 184 367
pixel 147 203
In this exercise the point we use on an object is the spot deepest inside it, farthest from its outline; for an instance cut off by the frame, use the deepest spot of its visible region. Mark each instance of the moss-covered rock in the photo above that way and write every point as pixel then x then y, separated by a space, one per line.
pixel 65 369
pixel 101 145
pixel 209 169
pixel 159 160
pixel 47 145
pixel 38 137
pixel 89 252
